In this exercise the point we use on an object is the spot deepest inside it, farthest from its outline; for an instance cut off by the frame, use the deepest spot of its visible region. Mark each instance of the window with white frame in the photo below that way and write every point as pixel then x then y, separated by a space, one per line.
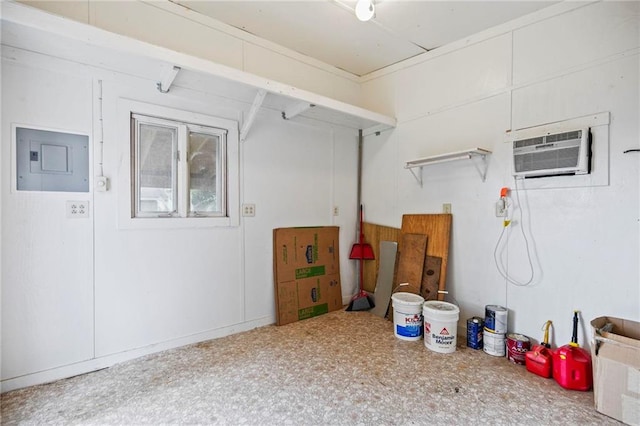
pixel 178 169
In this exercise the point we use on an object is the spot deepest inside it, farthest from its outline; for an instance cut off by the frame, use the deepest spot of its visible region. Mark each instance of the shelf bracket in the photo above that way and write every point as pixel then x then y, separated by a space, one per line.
pixel 296 109
pixel 167 79
pixel 418 175
pixel 482 169
pixel 257 103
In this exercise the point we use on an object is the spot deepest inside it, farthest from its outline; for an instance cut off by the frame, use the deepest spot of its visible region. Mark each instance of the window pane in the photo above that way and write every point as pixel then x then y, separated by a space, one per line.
pixel 156 171
pixel 204 173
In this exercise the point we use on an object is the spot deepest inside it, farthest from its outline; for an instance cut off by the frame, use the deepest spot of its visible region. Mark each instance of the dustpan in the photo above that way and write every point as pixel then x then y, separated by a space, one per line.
pixel 361 251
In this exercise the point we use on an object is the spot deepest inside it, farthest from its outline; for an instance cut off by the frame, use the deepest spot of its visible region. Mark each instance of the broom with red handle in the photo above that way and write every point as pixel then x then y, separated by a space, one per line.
pixel 361 251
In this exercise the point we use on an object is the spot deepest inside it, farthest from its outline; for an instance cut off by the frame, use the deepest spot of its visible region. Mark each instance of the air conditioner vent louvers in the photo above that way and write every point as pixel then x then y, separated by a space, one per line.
pixel 546 160
pixel 564 136
pixel 528 142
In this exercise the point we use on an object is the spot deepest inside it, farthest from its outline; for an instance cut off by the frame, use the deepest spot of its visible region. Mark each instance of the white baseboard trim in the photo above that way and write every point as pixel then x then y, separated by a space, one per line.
pixel 99 363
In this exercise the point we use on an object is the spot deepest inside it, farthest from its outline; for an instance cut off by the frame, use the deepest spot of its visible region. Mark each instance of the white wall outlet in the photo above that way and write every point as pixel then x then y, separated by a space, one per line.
pixel 501 208
pixel 77 209
pixel 336 211
pixel 446 208
pixel 248 210
pixel 102 183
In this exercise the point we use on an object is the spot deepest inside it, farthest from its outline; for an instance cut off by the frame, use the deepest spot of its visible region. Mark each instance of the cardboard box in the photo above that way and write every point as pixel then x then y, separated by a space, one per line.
pixel 301 299
pixel 306 265
pixel 616 368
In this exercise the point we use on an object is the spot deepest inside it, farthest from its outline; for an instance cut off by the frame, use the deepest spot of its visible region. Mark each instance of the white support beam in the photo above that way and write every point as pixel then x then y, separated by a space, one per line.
pixel 255 107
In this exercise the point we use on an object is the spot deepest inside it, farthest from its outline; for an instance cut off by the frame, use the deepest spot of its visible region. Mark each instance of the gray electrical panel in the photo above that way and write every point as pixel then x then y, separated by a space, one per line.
pixel 51 161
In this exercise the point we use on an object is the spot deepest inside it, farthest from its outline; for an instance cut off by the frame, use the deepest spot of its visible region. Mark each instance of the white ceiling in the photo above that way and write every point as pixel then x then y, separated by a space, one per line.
pixel 328 30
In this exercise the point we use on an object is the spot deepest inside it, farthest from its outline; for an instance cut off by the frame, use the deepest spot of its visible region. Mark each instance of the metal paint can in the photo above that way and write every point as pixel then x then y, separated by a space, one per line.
pixel 495 319
pixel 517 347
pixel 493 343
pixel 474 332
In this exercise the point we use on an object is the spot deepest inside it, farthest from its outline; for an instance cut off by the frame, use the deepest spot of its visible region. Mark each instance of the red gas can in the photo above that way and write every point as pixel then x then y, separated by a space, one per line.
pixel 572 364
pixel 539 359
pixel 572 368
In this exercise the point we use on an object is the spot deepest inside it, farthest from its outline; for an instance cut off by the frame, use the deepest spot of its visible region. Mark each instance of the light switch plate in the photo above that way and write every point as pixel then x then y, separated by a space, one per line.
pixel 102 183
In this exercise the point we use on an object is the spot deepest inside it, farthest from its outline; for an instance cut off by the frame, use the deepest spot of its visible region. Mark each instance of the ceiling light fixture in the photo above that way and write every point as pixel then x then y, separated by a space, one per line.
pixel 365 10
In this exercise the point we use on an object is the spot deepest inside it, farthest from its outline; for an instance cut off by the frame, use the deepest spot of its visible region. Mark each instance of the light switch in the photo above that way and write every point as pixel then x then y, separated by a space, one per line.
pixel 102 183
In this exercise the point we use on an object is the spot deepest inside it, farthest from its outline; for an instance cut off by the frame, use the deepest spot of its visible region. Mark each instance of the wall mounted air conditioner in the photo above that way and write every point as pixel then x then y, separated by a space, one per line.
pixel 567 153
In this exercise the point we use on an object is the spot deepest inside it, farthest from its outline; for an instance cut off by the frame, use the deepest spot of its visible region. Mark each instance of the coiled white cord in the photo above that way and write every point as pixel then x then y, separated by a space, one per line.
pixel 502 269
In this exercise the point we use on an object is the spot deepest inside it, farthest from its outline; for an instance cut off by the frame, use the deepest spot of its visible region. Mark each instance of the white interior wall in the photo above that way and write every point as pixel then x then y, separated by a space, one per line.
pixel 584 240
pixel 81 294
pixel 47 290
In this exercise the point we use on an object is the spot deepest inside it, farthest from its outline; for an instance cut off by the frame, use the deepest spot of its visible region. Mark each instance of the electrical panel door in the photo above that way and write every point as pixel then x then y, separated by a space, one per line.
pixel 51 161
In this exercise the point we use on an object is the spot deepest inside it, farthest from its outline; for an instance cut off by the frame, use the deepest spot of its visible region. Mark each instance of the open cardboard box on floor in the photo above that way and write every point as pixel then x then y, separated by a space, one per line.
pixel 616 368
pixel 306 265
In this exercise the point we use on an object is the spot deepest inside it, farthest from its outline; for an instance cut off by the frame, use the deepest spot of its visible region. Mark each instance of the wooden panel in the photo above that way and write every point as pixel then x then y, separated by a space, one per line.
pixel 437 227
pixel 431 278
pixel 409 265
pixel 411 262
pixel 373 234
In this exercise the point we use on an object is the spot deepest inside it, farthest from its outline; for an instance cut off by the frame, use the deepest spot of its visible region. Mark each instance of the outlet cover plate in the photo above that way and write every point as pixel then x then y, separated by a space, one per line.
pixel 77 209
pixel 248 210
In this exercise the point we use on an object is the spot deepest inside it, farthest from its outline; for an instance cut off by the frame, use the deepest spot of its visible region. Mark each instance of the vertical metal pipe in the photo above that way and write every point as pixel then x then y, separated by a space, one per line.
pixel 358 226
pixel 360 138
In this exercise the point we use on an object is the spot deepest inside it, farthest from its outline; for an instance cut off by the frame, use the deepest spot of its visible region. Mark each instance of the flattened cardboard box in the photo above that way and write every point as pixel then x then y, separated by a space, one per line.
pixel 301 299
pixel 616 368
pixel 305 252
pixel 306 269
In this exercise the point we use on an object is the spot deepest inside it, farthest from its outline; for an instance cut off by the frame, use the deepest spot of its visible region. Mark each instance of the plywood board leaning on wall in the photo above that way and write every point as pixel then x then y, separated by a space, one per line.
pixel 437 228
pixel 411 262
pixel 373 234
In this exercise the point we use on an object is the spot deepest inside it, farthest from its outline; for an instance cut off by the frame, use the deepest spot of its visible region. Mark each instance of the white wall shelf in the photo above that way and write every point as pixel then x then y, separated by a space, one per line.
pixel 33 30
pixel 467 154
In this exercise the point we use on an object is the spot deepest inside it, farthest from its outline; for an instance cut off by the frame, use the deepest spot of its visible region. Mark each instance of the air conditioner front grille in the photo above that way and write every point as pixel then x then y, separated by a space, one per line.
pixel 547 160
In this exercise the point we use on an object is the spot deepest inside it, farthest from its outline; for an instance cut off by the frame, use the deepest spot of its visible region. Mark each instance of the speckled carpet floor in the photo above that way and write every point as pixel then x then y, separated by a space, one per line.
pixel 342 368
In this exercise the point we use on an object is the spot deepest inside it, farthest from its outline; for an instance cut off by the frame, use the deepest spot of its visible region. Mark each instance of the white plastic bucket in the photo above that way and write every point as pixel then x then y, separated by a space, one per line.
pixel 440 326
pixel 407 316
